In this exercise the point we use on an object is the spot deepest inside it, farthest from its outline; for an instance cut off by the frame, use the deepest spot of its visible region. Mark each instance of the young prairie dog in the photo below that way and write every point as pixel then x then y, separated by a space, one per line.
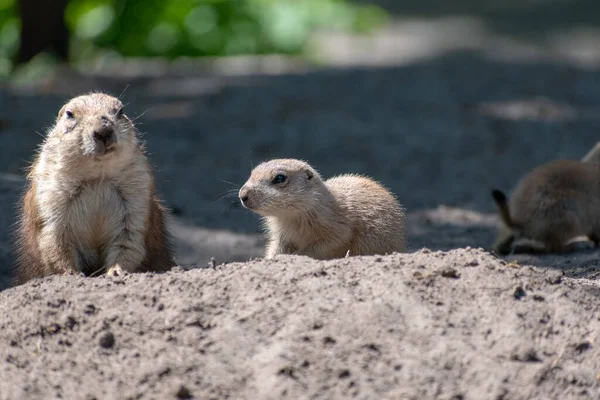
pixel 552 205
pixel 91 203
pixel 345 215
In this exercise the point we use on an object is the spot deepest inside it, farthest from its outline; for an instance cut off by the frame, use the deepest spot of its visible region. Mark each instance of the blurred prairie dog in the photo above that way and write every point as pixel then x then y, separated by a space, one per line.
pixel 345 215
pixel 552 205
pixel 91 205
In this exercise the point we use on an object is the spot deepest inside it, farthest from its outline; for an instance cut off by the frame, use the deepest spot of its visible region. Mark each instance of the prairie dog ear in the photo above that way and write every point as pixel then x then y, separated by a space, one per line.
pixel 61 112
pixel 309 174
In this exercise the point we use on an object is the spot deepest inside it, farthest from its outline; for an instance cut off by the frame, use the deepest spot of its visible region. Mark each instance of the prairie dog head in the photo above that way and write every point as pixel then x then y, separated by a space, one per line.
pixel 281 187
pixel 90 129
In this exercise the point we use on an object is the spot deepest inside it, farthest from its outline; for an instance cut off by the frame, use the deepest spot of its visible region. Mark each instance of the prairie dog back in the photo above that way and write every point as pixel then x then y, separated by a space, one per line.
pixel 374 211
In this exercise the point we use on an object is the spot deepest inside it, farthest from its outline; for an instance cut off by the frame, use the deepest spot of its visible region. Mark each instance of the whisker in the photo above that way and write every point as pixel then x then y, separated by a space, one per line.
pixel 123 92
pixel 230 193
pixel 141 134
pixel 228 206
pixel 231 183
pixel 140 115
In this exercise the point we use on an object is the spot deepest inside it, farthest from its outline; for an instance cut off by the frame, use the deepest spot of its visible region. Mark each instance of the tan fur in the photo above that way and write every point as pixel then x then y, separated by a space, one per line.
pixel 552 205
pixel 90 207
pixel 323 220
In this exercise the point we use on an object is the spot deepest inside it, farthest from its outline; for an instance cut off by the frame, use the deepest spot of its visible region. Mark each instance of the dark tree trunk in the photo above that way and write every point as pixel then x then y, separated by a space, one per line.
pixel 43 29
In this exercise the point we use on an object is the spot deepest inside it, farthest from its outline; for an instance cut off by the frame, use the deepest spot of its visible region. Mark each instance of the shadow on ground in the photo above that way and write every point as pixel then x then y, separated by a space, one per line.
pixel 441 132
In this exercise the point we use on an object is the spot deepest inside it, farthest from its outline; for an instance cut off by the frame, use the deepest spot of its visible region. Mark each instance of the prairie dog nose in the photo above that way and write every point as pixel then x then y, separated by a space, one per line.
pixel 105 134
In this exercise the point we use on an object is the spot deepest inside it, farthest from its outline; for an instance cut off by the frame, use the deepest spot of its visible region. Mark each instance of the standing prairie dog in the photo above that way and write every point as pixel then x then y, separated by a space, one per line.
pixel 345 215
pixel 552 205
pixel 91 204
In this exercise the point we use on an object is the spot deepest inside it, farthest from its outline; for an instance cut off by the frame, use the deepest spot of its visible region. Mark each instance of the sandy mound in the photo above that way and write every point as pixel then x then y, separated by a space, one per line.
pixel 448 325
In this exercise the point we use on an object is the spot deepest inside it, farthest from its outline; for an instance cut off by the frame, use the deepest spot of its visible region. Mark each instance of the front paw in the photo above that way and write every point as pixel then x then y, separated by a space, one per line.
pixel 116 271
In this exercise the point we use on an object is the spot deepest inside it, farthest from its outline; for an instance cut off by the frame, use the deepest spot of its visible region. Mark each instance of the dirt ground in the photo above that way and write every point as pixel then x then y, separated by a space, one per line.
pixel 447 320
pixel 426 325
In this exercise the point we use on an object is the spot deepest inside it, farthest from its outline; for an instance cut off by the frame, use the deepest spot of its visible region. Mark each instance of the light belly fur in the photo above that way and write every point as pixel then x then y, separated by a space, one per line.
pixel 94 220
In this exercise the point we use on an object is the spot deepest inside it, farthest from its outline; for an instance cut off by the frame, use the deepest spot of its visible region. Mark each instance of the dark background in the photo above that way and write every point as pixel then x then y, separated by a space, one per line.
pixel 440 101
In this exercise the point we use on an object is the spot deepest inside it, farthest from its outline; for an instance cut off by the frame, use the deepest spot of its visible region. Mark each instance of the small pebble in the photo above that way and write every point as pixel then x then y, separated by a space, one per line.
pixel 344 374
pixel 329 340
pixel 89 309
pixel 525 355
pixel 519 293
pixel 450 273
pixel 53 328
pixel 212 263
pixel 583 346
pixel 183 393
pixel 69 322
pixel 554 278
pixel 107 340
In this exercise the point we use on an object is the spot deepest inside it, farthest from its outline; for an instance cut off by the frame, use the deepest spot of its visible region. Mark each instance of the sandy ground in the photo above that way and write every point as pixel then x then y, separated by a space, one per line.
pixel 448 320
pixel 427 325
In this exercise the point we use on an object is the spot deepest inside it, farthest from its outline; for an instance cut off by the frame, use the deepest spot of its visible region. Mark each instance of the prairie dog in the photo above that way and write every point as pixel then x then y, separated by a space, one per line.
pixel 90 204
pixel 345 215
pixel 552 205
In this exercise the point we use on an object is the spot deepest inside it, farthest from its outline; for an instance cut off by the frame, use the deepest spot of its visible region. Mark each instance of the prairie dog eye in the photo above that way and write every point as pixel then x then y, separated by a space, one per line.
pixel 279 178
pixel 69 114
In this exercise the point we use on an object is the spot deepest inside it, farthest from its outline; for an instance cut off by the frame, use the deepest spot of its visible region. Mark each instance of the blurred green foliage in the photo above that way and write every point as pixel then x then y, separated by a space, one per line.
pixel 148 28
pixel 9 34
